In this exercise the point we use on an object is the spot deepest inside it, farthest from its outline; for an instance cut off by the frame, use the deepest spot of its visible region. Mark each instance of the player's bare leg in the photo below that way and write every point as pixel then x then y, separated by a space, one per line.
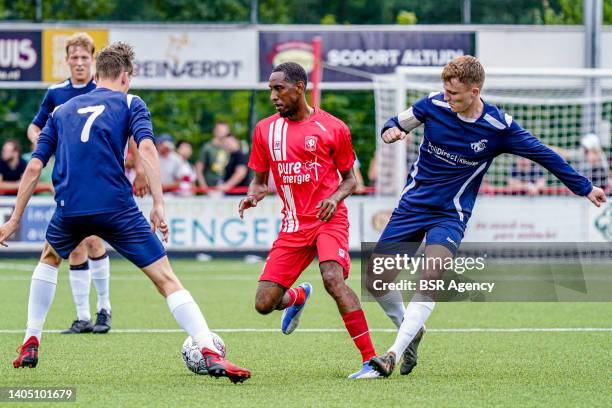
pixel 333 280
pixel 42 292
pixel 418 311
pixel 352 315
pixel 80 282
pixel 100 275
pixel 271 296
pixel 189 316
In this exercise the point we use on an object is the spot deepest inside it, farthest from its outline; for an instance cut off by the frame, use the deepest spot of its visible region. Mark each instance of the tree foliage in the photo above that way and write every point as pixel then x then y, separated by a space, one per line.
pixel 306 11
pixel 190 115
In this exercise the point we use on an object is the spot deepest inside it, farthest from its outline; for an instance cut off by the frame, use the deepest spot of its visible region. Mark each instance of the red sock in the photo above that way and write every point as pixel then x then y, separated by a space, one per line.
pixel 297 296
pixel 357 327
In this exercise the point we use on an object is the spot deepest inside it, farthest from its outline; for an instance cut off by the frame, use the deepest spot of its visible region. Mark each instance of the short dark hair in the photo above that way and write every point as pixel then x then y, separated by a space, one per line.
pixel 15 143
pixel 182 142
pixel 115 59
pixel 293 71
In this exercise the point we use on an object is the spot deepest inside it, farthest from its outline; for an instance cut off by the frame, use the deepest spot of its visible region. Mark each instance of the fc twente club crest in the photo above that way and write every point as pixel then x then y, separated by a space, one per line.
pixel 310 143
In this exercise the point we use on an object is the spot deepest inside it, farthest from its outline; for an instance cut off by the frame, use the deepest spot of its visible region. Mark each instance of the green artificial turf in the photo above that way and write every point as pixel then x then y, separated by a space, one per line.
pixel 309 368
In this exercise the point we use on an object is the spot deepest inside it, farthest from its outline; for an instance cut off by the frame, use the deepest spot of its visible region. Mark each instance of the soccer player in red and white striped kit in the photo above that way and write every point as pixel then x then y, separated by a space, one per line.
pixel 305 148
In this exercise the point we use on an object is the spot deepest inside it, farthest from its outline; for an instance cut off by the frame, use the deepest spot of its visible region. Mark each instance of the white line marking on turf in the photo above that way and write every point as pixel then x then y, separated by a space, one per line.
pixel 143 277
pixel 19 267
pixel 338 330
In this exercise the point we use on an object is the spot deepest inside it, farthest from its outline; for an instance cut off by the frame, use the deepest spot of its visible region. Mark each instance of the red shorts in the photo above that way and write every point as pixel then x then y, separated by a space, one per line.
pixel 292 252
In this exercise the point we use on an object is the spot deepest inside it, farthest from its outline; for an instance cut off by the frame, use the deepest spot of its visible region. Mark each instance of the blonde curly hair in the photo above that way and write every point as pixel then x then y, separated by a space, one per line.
pixel 467 69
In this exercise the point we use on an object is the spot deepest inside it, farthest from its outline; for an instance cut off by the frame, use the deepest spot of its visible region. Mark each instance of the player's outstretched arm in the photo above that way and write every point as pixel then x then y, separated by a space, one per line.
pixel 150 162
pixel 520 142
pixel 257 192
pixel 597 196
pixel 327 208
pixel 28 183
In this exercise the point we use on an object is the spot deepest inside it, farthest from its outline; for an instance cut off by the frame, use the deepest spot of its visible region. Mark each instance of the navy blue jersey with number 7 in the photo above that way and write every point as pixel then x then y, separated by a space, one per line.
pixel 89 136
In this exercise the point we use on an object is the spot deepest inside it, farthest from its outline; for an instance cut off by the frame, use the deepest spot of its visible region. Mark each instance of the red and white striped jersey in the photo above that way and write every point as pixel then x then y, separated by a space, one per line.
pixel 304 158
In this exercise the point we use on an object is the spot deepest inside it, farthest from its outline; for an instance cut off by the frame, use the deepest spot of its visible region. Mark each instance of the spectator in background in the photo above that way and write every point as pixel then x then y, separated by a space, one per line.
pixel 486 187
pixel 594 165
pixel 170 163
pixel 213 158
pixel 526 177
pixel 12 166
pixel 236 171
pixel 187 172
pixel 589 160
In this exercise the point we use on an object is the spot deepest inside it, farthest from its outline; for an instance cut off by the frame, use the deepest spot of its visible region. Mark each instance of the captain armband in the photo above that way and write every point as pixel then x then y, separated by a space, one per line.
pixel 407 120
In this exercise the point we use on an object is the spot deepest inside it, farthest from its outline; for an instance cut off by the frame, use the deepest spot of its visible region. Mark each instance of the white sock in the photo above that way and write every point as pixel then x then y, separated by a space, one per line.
pixel 393 305
pixel 189 316
pixel 100 274
pixel 80 281
pixel 42 292
pixel 417 312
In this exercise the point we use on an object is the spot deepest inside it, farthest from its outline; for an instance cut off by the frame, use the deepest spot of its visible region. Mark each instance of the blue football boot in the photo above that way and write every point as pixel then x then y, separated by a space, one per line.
pixel 291 315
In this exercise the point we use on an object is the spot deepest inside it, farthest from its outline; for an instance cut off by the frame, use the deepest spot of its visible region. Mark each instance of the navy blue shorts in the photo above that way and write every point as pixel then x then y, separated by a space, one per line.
pixel 407 226
pixel 126 230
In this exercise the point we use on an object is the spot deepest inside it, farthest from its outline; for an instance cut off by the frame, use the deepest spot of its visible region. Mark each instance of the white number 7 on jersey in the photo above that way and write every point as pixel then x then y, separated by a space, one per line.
pixel 95 112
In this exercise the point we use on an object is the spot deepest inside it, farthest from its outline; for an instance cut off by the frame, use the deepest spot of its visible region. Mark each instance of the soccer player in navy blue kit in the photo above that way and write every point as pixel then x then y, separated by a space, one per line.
pixel 89 135
pixel 79 57
pixel 463 134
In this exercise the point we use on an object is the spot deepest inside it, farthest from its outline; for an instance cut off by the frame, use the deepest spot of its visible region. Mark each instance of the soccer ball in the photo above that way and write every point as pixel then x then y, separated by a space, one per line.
pixel 192 355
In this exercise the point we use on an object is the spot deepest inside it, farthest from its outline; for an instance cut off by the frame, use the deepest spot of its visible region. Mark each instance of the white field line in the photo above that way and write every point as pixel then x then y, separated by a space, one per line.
pixel 143 277
pixel 338 330
pixel 121 276
pixel 19 267
pixel 132 270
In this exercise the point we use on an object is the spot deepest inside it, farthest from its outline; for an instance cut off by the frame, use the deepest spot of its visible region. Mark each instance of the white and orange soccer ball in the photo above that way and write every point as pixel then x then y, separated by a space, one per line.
pixel 192 355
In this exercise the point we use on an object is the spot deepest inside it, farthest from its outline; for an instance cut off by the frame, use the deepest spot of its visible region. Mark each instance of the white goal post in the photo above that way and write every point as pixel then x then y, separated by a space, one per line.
pixel 559 106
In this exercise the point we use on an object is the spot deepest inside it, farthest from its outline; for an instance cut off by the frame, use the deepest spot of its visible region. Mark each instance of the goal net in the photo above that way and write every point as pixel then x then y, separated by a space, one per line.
pixel 568 110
